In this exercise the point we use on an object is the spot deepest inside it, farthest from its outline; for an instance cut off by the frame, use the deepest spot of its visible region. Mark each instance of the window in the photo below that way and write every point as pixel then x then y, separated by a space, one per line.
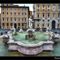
pixel 43 6
pixel 18 24
pixel 22 24
pixel 48 24
pixel 37 24
pixel 38 10
pixel 7 24
pixel 3 19
pixel 7 13
pixel 15 19
pixel 43 14
pixel 19 13
pixel 42 24
pixel 11 24
pixel 48 9
pixel 25 19
pixel 22 13
pixel 7 18
pixel 48 14
pixel 38 15
pixel 25 13
pixel 3 24
pixel 48 5
pixel 2 12
pixel 37 5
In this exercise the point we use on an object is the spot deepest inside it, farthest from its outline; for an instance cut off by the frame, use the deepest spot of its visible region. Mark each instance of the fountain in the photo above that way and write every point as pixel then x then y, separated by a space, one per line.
pixel 30 36
pixel 30 42
pixel 30 25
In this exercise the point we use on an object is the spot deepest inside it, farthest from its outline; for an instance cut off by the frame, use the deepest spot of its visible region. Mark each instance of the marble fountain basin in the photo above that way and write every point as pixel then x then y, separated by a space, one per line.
pixel 30 47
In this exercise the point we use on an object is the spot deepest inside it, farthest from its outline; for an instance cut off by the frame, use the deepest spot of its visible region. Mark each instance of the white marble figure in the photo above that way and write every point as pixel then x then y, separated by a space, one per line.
pixel 47 29
pixel 30 23
pixel 13 29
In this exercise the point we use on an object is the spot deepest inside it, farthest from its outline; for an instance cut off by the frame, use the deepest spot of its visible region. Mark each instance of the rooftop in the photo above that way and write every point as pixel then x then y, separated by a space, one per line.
pixel 14 6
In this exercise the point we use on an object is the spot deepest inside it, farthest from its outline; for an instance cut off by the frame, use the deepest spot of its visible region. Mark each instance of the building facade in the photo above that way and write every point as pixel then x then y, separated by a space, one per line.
pixel 0 20
pixel 46 15
pixel 30 14
pixel 14 15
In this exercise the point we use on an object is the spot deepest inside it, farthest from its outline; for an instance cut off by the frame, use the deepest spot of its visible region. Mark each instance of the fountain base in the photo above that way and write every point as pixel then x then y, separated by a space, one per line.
pixel 31 49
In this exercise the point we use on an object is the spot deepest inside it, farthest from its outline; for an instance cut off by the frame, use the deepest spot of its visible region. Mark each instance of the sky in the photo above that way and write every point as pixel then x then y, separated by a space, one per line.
pixel 30 6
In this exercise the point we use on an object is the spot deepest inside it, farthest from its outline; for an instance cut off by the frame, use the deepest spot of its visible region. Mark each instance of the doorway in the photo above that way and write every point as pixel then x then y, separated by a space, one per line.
pixel 15 25
pixel 53 24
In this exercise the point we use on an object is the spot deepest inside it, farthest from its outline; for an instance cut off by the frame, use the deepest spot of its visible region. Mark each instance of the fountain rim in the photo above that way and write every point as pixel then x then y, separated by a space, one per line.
pixel 30 45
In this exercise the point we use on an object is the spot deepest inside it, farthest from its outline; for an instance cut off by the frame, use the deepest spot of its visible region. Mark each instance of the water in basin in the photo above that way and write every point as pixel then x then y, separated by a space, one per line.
pixel 40 36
